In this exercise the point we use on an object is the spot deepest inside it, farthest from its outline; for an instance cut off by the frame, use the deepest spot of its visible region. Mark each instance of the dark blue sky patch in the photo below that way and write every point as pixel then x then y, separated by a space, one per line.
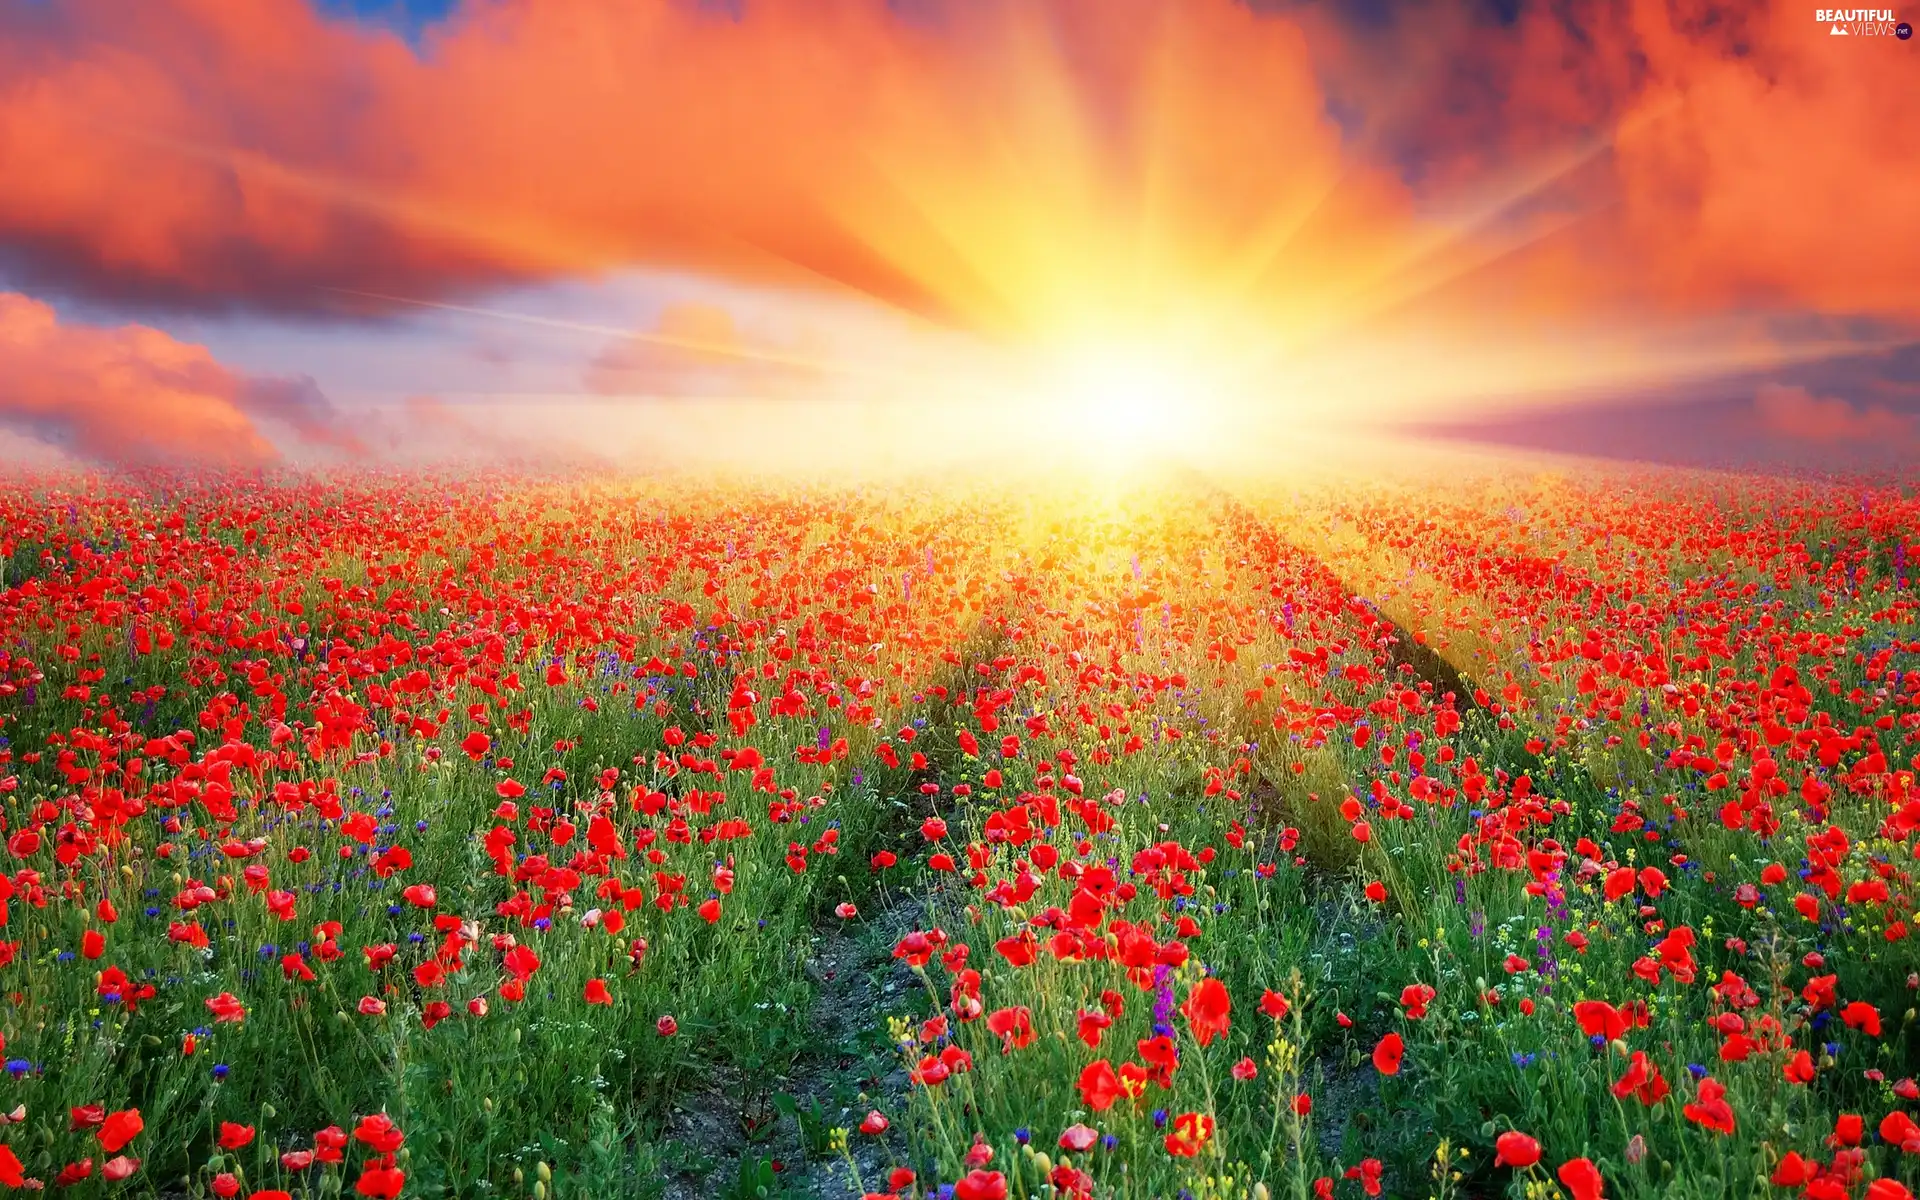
pixel 409 17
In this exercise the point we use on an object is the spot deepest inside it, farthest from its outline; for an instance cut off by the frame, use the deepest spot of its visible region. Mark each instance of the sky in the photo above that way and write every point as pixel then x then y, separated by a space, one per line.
pixel 647 233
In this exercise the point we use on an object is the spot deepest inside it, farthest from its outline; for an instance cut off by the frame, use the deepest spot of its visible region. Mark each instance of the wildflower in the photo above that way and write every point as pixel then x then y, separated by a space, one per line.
pixel 1368 1173
pixel 1207 1010
pixel 1711 1111
pixel 226 1007
pixel 981 1185
pixel 1191 1132
pixel 1898 1129
pixel 1515 1149
pixel 117 1129
pixel 1642 1079
pixel 1582 1178
pixel 1099 1086
pixel 1386 1055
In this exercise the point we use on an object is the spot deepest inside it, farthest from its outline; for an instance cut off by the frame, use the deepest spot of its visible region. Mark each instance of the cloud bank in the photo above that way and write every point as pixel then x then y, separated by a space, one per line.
pixel 135 395
pixel 1065 170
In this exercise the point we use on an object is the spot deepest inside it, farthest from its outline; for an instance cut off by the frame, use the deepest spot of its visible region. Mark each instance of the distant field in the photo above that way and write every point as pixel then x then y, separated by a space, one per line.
pixel 500 837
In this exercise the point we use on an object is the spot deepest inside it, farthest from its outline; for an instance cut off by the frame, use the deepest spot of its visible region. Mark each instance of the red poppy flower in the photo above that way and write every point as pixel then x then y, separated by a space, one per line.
pixel 981 1185
pixel 1368 1173
pixel 1099 1086
pixel 380 1180
pixel 1711 1111
pixel 1642 1079
pixel 1191 1132
pixel 1799 1068
pixel 1898 1129
pixel 378 1133
pixel 1014 1026
pixel 226 1007
pixel 1515 1149
pixel 1862 1016
pixel 1582 1178
pixel 1792 1170
pixel 1386 1055
pixel 1207 1009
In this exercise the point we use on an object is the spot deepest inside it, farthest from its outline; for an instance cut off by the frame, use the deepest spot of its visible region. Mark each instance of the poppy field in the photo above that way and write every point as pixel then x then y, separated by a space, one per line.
pixel 1518 835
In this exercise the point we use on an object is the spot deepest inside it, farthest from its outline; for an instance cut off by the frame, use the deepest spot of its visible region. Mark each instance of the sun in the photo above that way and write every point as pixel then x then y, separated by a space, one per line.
pixel 1126 403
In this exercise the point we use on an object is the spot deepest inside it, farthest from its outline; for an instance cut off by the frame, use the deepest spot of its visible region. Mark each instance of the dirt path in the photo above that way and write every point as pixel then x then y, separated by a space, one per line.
pixel 739 1136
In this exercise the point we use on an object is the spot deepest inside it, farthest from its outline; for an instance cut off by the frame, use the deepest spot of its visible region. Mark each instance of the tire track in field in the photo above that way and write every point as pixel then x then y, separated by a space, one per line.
pixel 849 966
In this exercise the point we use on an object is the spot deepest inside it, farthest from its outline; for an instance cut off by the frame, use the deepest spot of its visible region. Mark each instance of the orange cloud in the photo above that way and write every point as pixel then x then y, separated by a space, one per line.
pixel 1008 165
pixel 134 394
pixel 1796 414
pixel 1716 155
pixel 1790 168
